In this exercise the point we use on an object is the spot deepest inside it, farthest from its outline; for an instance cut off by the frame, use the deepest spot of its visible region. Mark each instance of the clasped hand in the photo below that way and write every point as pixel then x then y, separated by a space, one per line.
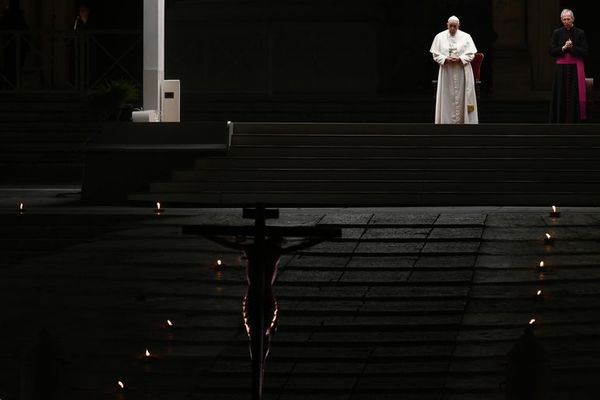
pixel 568 45
pixel 452 59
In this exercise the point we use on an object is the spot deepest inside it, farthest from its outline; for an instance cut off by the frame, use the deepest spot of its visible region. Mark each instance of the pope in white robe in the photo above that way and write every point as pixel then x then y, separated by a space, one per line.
pixel 454 50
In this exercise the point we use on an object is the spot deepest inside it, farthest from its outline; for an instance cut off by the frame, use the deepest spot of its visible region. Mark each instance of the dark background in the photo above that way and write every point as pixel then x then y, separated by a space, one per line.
pixel 323 50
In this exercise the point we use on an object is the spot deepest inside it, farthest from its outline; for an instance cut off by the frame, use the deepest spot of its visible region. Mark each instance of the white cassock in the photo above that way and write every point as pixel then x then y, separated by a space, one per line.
pixel 455 99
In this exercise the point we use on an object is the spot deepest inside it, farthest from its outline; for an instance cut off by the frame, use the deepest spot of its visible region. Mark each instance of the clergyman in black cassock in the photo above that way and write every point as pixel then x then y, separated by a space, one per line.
pixel 569 47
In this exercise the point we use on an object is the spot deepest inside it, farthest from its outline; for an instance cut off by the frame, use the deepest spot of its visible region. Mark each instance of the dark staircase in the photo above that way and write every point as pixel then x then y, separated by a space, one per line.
pixel 329 164
pixel 42 136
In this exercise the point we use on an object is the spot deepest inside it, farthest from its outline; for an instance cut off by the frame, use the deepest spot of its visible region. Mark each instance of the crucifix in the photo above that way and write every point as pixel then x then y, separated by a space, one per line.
pixel 259 308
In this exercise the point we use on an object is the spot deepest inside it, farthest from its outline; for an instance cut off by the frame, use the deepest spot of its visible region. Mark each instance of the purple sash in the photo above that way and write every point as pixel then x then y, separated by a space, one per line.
pixel 569 58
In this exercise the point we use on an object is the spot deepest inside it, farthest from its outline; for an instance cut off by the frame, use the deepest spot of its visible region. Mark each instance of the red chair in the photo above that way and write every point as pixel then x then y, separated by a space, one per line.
pixel 476 66
pixel 589 87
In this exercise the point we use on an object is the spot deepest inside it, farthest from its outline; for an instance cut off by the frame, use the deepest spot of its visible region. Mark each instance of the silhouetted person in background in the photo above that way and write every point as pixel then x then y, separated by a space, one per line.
pixel 83 20
pixel 86 61
pixel 14 45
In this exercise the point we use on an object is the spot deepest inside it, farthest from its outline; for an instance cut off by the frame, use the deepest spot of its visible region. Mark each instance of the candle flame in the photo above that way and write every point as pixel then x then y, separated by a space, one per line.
pixel 21 206
pixel 548 235
pixel 158 205
pixel 147 353
pixel 219 262
pixel 531 321
pixel 121 384
pixel 541 264
pixel 553 208
pixel 539 292
pixel 169 322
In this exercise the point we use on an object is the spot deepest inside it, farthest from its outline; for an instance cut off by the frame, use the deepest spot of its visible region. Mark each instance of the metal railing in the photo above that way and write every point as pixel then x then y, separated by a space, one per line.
pixel 66 61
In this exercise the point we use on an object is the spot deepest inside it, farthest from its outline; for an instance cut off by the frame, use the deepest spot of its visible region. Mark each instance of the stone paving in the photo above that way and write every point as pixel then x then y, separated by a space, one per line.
pixel 410 303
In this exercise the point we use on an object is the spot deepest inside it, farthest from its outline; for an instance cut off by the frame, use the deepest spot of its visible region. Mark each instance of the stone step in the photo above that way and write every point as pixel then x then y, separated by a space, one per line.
pixel 403 162
pixel 379 186
pixel 415 139
pixel 33 128
pixel 424 152
pixel 392 164
pixel 17 150
pixel 42 137
pixel 374 199
pixel 44 108
pixel 304 172
pixel 396 129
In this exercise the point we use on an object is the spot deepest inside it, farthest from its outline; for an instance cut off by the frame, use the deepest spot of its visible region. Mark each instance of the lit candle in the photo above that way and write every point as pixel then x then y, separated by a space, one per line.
pixel 169 324
pixel 532 321
pixel 158 209
pixel 554 213
pixel 548 240
pixel 120 390
pixel 541 267
pixel 21 208
pixel 539 295
pixel 123 391
pixel 219 263
pixel 148 358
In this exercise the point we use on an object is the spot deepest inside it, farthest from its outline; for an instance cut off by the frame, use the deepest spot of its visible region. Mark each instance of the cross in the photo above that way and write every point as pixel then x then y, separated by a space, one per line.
pixel 260 309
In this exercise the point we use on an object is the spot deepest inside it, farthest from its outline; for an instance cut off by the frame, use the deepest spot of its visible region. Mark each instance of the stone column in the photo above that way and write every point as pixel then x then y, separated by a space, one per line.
pixel 61 17
pixel 154 52
pixel 543 18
